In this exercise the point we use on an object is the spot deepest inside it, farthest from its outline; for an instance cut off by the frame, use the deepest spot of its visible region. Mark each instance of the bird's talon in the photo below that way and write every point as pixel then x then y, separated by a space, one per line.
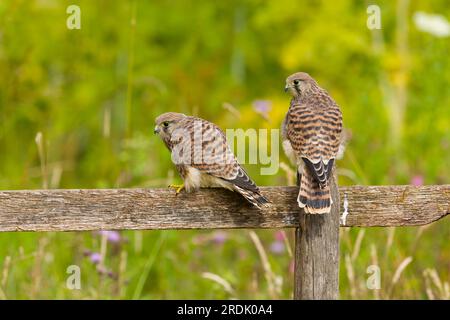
pixel 177 187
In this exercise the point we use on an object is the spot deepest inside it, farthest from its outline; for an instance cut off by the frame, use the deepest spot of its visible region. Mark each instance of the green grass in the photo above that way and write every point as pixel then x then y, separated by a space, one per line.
pixel 93 94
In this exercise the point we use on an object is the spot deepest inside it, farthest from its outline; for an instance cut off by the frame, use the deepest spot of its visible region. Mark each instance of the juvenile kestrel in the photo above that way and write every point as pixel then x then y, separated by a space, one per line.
pixel 202 156
pixel 311 134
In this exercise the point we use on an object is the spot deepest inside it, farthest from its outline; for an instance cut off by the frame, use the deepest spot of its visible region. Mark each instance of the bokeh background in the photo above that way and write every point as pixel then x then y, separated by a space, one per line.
pixel 77 109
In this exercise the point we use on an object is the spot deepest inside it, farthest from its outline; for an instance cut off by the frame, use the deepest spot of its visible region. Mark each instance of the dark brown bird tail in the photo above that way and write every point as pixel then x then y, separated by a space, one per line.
pixel 254 197
pixel 312 198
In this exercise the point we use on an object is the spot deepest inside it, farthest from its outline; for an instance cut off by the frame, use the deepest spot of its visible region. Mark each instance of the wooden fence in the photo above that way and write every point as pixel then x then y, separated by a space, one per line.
pixel 317 236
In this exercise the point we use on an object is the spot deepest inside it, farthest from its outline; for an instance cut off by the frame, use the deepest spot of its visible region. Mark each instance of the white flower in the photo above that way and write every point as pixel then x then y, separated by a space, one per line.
pixel 434 24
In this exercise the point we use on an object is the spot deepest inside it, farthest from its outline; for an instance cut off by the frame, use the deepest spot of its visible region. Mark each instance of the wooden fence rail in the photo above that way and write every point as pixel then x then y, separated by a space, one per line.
pixel 139 209
pixel 317 237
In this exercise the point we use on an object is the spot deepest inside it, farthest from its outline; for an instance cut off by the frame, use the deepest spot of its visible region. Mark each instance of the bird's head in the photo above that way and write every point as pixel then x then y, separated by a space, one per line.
pixel 167 123
pixel 299 84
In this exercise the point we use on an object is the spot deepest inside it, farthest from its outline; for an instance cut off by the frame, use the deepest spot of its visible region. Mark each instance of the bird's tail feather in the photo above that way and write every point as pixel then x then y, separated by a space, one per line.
pixel 311 197
pixel 254 197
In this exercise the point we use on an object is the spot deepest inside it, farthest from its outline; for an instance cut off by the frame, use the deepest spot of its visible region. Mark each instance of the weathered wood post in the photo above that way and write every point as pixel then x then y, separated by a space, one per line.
pixel 316 273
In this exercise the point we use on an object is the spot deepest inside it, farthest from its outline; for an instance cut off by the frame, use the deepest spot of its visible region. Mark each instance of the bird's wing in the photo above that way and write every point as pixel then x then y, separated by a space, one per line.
pixel 314 130
pixel 212 155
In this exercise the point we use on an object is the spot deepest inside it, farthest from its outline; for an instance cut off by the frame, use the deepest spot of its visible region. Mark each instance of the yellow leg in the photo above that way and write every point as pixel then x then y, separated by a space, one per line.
pixel 177 187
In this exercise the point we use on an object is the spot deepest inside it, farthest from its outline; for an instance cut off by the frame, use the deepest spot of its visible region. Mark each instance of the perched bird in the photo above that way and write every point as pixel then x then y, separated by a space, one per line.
pixel 203 158
pixel 311 133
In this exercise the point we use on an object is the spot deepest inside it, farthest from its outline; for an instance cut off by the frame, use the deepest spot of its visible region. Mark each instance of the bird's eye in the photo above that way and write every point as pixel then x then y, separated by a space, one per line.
pixel 296 82
pixel 166 124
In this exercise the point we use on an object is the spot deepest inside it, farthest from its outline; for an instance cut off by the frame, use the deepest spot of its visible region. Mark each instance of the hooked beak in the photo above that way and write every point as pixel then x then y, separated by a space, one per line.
pixel 286 88
pixel 156 130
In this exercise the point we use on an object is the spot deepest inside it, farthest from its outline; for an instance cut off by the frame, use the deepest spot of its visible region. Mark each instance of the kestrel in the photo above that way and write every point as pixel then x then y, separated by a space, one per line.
pixel 203 158
pixel 311 133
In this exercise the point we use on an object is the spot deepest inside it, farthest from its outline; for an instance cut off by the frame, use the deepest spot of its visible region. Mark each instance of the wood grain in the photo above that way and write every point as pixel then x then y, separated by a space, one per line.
pixel 316 271
pixel 133 209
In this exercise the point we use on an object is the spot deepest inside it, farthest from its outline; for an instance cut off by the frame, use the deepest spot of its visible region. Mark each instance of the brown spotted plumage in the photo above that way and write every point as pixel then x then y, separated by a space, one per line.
pixel 311 134
pixel 202 156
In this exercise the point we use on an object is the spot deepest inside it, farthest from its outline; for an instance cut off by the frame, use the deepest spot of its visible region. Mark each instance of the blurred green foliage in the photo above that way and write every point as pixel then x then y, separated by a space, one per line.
pixel 94 93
